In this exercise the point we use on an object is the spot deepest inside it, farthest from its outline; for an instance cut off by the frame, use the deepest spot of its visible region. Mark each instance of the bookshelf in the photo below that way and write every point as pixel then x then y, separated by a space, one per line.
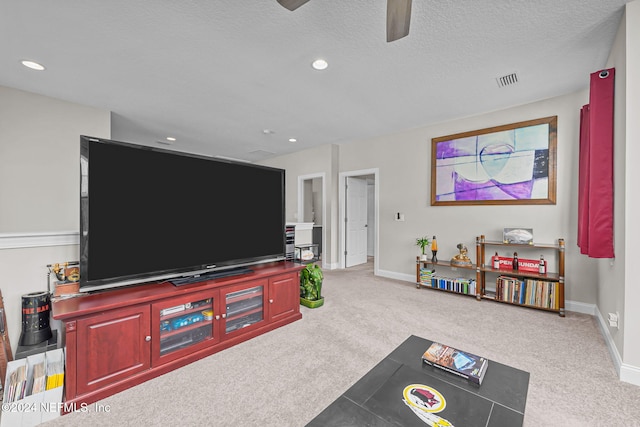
pixel 541 291
pixel 522 287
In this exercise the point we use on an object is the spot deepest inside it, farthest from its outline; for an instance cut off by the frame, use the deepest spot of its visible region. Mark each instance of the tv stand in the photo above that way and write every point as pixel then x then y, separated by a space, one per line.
pixel 181 281
pixel 123 337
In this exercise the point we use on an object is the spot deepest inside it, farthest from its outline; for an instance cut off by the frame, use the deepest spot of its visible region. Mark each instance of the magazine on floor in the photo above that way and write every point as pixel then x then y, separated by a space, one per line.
pixel 462 363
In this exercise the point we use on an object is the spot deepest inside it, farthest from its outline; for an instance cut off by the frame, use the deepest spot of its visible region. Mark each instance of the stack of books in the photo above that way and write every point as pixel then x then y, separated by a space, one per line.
pixel 425 276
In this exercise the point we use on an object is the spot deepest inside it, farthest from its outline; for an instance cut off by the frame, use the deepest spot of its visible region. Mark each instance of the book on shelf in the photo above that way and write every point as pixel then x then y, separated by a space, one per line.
pixel 510 289
pixel 461 363
pixel 532 292
pixel 460 285
pixel 425 276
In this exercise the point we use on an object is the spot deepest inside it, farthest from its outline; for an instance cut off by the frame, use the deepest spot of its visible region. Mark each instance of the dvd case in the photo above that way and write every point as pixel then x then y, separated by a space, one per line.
pixel 466 365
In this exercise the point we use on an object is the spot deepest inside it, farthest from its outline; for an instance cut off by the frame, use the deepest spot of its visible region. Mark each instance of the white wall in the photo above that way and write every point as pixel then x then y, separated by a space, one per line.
pixel 39 184
pixel 317 196
pixel 318 160
pixel 40 150
pixel 371 217
pixel 631 250
pixel 404 164
pixel 611 272
pixel 308 202
pixel 404 161
pixel 617 291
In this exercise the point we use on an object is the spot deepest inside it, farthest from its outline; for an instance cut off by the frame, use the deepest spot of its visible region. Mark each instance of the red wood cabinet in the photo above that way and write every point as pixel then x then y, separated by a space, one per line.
pixel 116 347
pixel 284 296
pixel 120 338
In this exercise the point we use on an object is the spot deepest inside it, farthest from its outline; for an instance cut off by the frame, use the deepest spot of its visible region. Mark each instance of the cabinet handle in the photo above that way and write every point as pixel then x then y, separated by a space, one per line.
pixel 270 301
pixel 224 315
pixel 217 317
pixel 147 338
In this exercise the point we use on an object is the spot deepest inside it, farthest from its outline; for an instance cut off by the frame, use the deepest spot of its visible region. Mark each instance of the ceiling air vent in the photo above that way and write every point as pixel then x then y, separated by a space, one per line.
pixel 261 153
pixel 509 79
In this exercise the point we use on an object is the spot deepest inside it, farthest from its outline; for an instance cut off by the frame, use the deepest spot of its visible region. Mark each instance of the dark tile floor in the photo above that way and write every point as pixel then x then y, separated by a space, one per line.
pixel 383 396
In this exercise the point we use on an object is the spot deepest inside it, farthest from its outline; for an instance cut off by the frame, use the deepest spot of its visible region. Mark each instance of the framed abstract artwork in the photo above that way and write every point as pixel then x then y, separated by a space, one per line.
pixel 512 164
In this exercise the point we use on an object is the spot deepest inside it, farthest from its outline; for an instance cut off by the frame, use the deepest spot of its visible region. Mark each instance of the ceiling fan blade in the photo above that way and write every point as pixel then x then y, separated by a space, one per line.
pixel 292 4
pixel 398 19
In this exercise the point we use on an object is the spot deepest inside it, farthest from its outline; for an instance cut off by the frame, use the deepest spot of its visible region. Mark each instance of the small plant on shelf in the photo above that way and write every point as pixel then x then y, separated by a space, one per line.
pixel 311 278
pixel 423 242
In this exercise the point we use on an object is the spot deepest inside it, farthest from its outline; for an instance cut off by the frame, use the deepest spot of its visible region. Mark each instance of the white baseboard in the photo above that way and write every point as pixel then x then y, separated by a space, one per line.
pixel 40 239
pixel 397 276
pixel 608 339
pixel 580 307
pixel 330 266
pixel 627 373
pixel 630 374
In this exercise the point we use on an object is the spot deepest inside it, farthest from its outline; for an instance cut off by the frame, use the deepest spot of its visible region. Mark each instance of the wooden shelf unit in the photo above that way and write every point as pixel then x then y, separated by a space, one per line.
pixel 555 279
pixel 551 282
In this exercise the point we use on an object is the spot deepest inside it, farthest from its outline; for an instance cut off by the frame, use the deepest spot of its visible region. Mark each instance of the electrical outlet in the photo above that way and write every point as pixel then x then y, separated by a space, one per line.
pixel 614 319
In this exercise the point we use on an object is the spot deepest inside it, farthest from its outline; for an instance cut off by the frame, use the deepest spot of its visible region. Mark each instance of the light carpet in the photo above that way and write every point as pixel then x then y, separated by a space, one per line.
pixel 288 376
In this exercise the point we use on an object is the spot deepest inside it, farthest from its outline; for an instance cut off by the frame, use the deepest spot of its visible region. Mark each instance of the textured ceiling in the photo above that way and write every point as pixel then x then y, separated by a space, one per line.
pixel 214 74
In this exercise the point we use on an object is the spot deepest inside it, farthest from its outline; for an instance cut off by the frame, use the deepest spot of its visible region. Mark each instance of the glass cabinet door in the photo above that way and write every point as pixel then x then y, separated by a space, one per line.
pixel 244 308
pixel 185 323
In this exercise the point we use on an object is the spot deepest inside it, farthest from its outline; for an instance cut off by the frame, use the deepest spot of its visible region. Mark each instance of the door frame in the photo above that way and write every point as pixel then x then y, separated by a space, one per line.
pixel 342 194
pixel 325 220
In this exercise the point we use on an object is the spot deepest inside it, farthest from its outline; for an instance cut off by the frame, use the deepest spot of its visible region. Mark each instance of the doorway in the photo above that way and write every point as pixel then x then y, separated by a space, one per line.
pixel 358 195
pixel 312 208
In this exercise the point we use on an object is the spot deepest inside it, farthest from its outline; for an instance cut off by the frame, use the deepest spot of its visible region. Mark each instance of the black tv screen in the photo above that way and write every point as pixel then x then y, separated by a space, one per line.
pixel 149 214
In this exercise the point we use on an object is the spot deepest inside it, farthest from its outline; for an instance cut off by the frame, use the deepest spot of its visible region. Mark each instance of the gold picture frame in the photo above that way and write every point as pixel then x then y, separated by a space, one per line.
pixel 513 164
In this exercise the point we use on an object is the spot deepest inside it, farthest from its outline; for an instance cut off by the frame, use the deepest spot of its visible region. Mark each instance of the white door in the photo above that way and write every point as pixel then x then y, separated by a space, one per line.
pixel 356 222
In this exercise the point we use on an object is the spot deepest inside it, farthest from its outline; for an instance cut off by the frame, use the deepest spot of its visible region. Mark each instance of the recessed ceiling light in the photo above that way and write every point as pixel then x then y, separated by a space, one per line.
pixel 293 140
pixel 170 138
pixel 33 65
pixel 320 64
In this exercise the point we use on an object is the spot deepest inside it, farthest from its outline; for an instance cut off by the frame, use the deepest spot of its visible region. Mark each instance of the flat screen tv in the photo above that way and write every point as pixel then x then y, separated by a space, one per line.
pixel 148 214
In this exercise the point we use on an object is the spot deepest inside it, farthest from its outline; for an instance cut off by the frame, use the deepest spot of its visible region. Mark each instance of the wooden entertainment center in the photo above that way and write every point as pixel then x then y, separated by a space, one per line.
pixel 120 338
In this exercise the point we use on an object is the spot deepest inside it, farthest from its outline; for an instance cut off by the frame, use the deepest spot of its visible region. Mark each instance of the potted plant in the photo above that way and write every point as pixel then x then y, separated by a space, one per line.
pixel 311 286
pixel 423 242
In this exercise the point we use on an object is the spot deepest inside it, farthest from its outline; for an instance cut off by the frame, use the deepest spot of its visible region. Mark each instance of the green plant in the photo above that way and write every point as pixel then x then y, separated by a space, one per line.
pixel 311 282
pixel 423 242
